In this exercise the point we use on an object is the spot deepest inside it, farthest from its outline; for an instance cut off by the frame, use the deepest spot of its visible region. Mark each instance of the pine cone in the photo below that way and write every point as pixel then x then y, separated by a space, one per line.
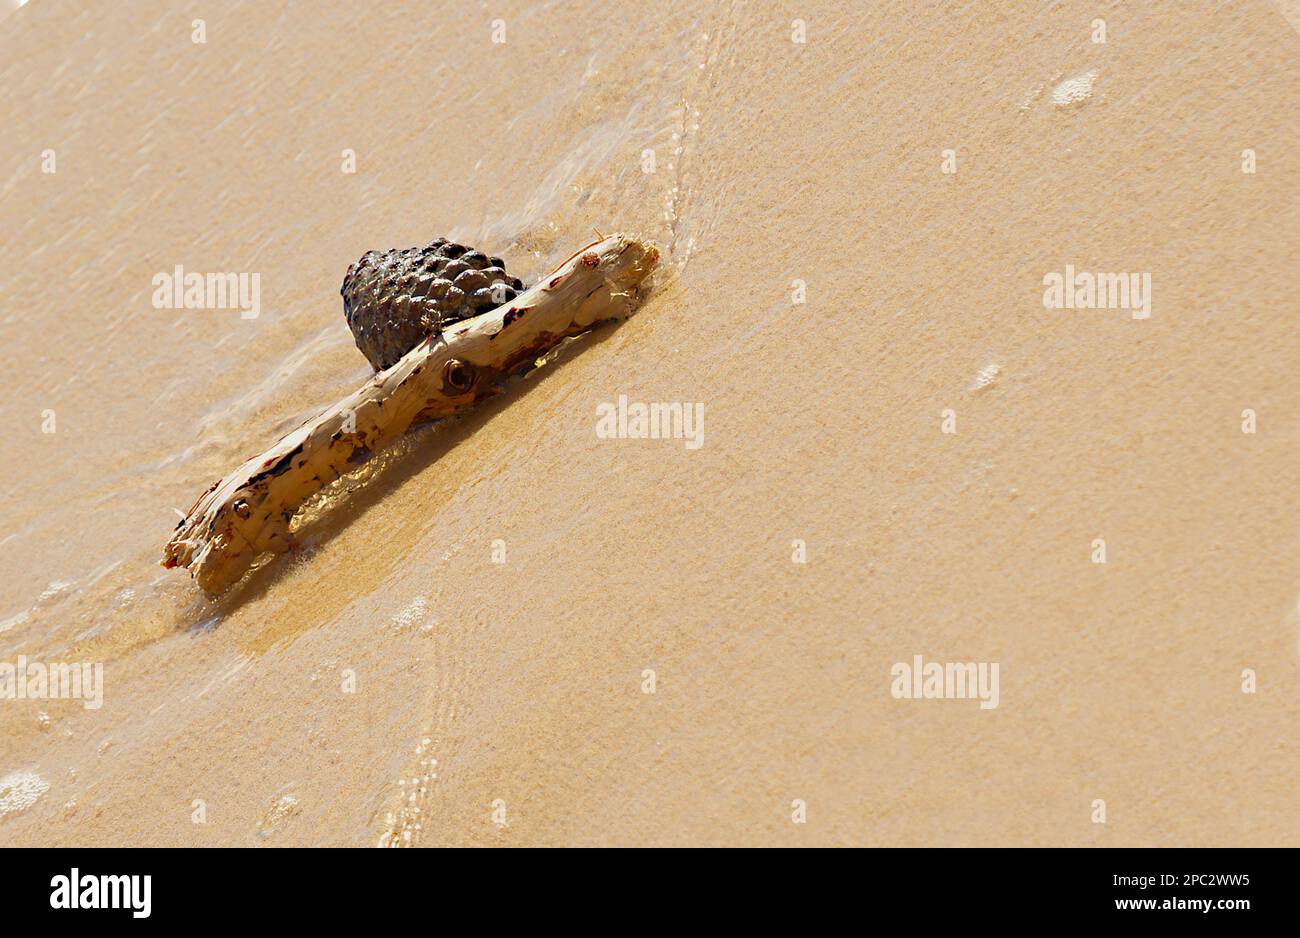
pixel 395 299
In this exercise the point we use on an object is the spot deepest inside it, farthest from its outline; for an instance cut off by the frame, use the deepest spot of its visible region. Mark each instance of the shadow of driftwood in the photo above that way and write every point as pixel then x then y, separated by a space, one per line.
pixel 351 496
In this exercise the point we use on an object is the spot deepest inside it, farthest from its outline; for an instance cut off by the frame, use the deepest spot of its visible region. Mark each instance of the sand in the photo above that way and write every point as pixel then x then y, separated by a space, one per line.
pixel 391 683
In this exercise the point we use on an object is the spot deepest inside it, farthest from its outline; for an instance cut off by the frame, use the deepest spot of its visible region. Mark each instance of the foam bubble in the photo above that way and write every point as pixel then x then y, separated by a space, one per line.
pixel 1074 90
pixel 412 614
pixel 987 375
pixel 281 810
pixel 20 790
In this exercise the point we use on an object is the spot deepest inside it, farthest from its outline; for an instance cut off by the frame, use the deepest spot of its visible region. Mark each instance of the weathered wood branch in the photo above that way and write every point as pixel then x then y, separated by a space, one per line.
pixel 248 513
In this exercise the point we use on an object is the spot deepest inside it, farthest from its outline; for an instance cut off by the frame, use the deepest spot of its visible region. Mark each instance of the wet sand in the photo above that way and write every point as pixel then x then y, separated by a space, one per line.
pixel 391 683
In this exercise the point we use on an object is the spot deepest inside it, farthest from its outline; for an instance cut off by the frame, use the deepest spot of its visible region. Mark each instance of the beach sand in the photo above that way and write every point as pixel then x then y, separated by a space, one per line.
pixel 390 683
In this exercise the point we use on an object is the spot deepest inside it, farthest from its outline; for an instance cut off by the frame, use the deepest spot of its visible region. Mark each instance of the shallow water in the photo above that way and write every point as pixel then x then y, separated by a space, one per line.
pixel 391 683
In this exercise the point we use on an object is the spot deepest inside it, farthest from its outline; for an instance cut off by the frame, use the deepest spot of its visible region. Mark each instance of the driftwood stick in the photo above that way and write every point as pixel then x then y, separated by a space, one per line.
pixel 248 513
